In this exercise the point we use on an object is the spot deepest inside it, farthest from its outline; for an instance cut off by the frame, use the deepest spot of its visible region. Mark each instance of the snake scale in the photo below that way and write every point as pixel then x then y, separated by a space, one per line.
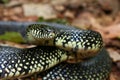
pixel 56 43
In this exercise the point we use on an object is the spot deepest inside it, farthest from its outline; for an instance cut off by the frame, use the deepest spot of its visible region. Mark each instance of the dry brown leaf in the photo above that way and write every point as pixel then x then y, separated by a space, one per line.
pixel 112 77
pixel 8 43
pixel 109 32
pixel 86 20
pixel 69 14
pixel 112 31
pixel 23 18
pixel 42 10
pixel 114 55
pixel 115 73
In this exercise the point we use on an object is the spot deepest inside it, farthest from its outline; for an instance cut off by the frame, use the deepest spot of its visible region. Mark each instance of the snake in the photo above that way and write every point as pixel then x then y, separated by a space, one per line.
pixel 56 44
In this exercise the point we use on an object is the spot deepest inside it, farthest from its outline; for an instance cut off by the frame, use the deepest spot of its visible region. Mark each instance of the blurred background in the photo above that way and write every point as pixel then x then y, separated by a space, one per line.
pixel 99 15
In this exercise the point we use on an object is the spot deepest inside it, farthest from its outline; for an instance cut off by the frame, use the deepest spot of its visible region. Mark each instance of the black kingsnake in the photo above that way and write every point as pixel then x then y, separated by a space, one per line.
pixel 15 62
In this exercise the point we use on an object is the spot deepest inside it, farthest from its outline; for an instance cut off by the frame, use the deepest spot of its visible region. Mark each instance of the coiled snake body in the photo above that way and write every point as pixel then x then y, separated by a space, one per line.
pixel 57 44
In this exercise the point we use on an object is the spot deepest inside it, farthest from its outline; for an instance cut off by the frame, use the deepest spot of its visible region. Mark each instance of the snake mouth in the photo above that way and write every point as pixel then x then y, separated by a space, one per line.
pixel 43 40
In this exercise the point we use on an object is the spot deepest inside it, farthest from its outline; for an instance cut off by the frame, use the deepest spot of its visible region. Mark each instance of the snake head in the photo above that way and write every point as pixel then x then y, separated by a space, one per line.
pixel 85 43
pixel 40 34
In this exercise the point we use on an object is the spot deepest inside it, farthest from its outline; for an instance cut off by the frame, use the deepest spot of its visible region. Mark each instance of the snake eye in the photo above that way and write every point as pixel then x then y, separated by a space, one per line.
pixel 52 34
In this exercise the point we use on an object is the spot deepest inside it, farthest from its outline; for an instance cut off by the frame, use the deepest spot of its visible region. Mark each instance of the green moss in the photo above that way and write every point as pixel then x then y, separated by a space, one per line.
pixel 60 21
pixel 12 36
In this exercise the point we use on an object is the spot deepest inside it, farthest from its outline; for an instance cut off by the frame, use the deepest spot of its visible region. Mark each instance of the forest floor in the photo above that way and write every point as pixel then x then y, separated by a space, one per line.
pixel 99 15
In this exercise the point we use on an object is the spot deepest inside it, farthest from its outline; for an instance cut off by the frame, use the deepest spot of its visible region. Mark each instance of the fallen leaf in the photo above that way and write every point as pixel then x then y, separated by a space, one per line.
pixel 41 10
pixel 112 77
pixel 85 20
pixel 112 31
pixel 115 73
pixel 109 32
pixel 114 55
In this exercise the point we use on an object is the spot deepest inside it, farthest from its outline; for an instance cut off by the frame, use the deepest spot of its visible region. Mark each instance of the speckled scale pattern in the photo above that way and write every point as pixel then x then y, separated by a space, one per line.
pixel 73 40
pixel 85 39
pixel 40 31
pixel 18 62
pixel 43 33
pixel 20 58
pixel 79 41
pixel 96 68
